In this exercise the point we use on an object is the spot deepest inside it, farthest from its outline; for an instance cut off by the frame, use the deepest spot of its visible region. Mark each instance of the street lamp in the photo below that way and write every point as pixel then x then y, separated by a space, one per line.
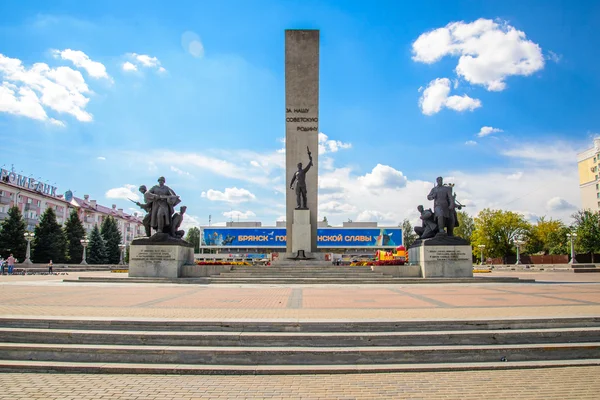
pixel 121 249
pixel 571 236
pixel 518 243
pixel 481 247
pixel 29 237
pixel 84 243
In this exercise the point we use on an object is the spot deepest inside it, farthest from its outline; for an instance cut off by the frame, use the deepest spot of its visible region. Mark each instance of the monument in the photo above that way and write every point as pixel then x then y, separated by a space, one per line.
pixel 163 253
pixel 439 253
pixel 301 134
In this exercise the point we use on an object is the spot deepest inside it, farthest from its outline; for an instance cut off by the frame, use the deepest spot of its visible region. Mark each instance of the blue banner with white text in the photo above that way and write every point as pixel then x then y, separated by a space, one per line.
pixel 326 237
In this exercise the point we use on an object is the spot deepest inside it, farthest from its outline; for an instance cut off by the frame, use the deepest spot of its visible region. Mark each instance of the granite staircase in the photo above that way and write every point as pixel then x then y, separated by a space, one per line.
pixel 280 347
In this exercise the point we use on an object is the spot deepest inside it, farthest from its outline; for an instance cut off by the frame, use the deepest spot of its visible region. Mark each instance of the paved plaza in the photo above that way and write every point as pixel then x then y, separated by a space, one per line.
pixel 554 294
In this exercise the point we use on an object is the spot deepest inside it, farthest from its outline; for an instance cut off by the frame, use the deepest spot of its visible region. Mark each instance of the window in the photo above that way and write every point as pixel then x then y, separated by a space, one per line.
pixel 39 203
pixel 29 201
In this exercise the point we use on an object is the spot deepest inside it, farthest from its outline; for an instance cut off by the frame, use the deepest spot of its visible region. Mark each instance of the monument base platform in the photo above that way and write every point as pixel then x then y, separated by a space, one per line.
pixel 442 257
pixel 159 256
pixel 310 259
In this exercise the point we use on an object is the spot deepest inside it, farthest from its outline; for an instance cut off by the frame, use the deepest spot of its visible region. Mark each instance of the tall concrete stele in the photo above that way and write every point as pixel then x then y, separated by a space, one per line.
pixel 301 122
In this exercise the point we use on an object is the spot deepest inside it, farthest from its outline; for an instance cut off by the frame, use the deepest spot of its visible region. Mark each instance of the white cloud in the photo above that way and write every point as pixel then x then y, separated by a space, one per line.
pixel 383 176
pixel 125 192
pixel 327 145
pixel 27 92
pixel 471 143
pixel 385 218
pixel 488 130
pixel 436 96
pixel 144 61
pixel 554 57
pixel 180 172
pixel 488 51
pixel 235 215
pixel 336 207
pixel 230 195
pixel 515 177
pixel 559 204
pixel 191 42
pixel 127 66
pixel 558 153
pixel 189 221
pixel 22 101
pixel 57 122
pixel 101 158
pixel 94 69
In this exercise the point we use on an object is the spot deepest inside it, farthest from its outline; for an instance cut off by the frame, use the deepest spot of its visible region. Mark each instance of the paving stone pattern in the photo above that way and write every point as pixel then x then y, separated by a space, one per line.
pixel 545 383
pixel 49 296
pixel 553 295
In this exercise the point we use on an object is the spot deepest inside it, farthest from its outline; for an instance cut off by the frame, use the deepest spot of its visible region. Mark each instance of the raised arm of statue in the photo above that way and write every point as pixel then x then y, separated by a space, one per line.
pixel 308 166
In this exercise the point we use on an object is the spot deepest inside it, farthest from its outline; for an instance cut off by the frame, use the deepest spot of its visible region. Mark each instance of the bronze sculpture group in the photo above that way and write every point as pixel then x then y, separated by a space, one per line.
pixel 443 219
pixel 159 203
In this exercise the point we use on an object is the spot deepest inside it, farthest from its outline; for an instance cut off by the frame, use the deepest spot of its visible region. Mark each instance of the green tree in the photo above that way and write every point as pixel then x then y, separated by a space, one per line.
pixel 558 243
pixel 497 230
pixel 12 231
pixel 465 227
pixel 193 237
pixel 112 239
pixel 96 249
pixel 544 236
pixel 587 225
pixel 74 232
pixel 49 242
pixel 408 233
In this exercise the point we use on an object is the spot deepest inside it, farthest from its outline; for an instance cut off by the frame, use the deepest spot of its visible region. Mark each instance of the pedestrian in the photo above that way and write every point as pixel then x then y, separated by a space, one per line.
pixel 50 267
pixel 1 265
pixel 11 263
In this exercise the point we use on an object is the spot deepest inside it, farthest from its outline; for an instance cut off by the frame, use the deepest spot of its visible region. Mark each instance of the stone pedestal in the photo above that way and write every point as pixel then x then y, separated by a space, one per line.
pixel 157 258
pixel 442 257
pixel 301 232
pixel 301 123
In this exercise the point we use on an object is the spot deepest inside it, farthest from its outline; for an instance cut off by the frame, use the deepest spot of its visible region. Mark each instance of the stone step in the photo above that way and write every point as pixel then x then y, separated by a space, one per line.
pixel 8 366
pixel 299 281
pixel 236 326
pixel 178 325
pixel 286 270
pixel 342 281
pixel 303 274
pixel 248 355
pixel 299 339
pixel 586 270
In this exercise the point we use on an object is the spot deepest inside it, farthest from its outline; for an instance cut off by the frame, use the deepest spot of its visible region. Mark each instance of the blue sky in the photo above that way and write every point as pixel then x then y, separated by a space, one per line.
pixel 498 97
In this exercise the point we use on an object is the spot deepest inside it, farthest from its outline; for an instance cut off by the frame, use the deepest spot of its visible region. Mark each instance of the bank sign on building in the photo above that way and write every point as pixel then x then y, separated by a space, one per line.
pixel 227 237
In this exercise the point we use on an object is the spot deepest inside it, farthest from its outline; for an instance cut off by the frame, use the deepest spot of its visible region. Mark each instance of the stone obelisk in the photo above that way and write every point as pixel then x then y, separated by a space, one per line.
pixel 301 123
